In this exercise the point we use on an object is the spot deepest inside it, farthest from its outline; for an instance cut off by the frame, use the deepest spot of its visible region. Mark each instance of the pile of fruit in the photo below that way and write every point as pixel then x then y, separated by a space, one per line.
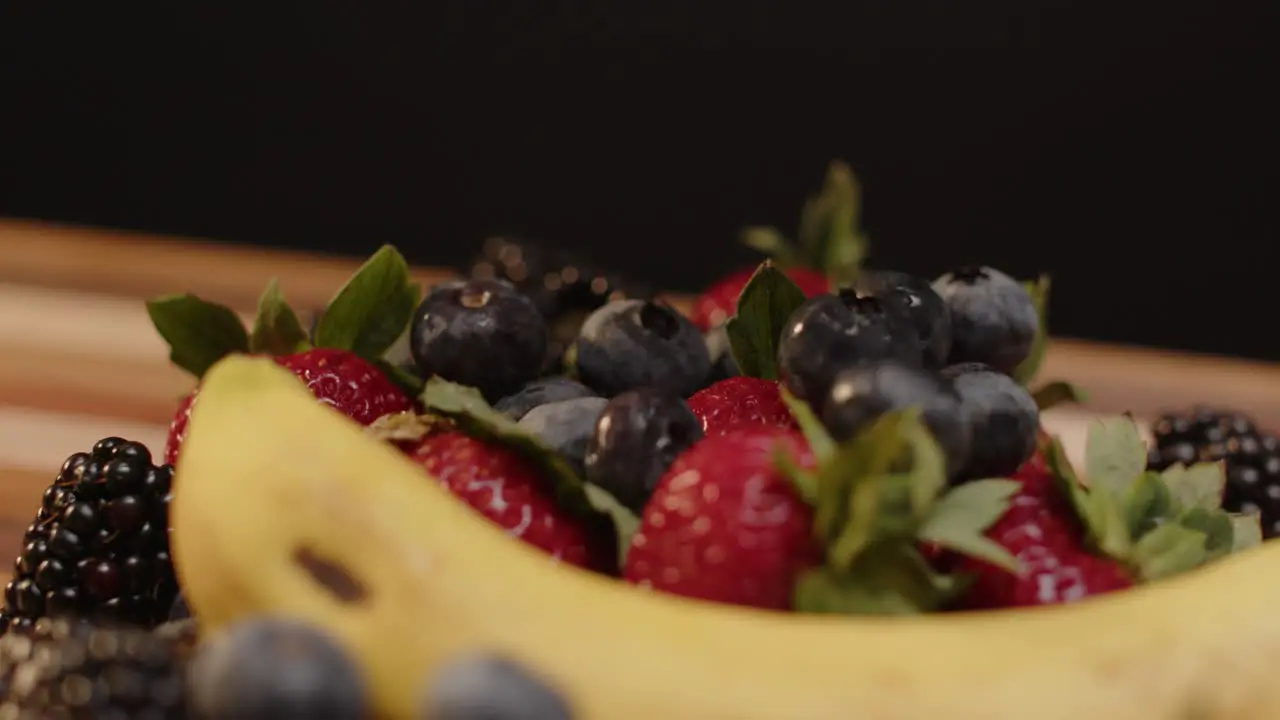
pixel 566 498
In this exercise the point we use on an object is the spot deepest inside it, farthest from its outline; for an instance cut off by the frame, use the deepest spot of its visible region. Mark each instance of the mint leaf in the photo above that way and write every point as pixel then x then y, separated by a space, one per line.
pixel 1039 291
pixel 199 333
pixel 763 309
pixel 372 310
pixel 469 411
pixel 1200 485
pixel 963 514
pixel 276 330
pixel 1168 550
pixel 1058 393
pixel 1247 531
pixel 1217 528
pixel 1115 456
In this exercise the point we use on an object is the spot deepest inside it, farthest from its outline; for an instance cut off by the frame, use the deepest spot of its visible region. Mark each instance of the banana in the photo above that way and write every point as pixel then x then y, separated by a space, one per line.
pixel 284 506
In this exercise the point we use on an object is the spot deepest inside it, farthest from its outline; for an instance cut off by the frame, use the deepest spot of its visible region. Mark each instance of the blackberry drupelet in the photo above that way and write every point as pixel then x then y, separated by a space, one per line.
pixel 73 669
pixel 1251 457
pixel 565 289
pixel 99 546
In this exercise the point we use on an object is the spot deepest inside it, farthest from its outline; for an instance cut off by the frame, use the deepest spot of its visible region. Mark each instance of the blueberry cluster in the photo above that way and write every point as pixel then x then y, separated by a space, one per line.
pixel 893 341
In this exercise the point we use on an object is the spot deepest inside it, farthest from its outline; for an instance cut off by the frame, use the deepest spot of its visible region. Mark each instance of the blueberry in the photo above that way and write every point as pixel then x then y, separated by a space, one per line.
pixel 481 333
pixel 636 438
pixel 541 392
pixel 275 669
pixel 993 319
pixel 491 688
pixel 566 426
pixel 916 299
pixel 1003 420
pixel 640 343
pixel 861 395
pixel 830 333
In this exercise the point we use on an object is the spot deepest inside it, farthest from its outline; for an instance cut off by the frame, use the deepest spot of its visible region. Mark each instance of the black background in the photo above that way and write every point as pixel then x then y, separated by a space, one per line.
pixel 1127 148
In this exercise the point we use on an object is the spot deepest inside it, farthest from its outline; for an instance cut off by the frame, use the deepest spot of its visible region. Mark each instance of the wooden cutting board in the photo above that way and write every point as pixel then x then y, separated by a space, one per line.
pixel 79 360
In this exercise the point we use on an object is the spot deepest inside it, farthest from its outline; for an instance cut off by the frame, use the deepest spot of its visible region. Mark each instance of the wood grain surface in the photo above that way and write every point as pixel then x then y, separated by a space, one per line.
pixel 80 361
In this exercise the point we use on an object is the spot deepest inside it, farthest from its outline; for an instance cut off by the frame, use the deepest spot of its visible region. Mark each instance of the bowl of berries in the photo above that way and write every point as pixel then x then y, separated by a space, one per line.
pixel 818 490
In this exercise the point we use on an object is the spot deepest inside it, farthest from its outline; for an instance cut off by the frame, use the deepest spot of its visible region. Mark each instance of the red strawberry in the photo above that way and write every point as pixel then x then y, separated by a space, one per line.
pixel 506 488
pixel 725 525
pixel 1041 530
pixel 351 384
pixel 740 401
pixel 719 302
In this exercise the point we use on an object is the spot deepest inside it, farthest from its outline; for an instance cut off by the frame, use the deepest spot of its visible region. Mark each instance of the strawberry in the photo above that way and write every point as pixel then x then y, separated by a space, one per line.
pixel 339 361
pixel 724 524
pixel 719 302
pixel 347 382
pixel 509 490
pixel 1127 526
pixel 1041 530
pixel 740 401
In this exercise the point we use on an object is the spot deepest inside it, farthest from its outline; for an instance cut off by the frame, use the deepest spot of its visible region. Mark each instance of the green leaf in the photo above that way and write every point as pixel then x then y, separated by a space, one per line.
pixel 1100 511
pixel 199 333
pixel 927 470
pixel 890 580
pixel 820 441
pixel 1147 504
pixel 405 380
pixel 1168 550
pixel 1217 528
pixel 1115 456
pixel 1058 392
pixel 772 243
pixel 469 411
pixel 964 513
pixel 829 234
pixel 844 511
pixel 1065 476
pixel 625 522
pixel 371 311
pixel 804 481
pixel 1039 291
pixel 276 329
pixel 1200 485
pixel 763 309
pixel 1246 531
pixel 880 485
pixel 1107 525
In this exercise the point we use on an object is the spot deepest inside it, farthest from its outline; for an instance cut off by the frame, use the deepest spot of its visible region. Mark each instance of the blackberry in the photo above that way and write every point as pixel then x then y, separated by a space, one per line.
pixel 77 670
pixel 99 546
pixel 565 289
pixel 1251 457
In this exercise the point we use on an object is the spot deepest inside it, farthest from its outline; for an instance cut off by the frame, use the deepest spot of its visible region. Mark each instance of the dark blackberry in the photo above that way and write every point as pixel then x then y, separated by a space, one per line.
pixel 1251 457
pixel 99 546
pixel 79 671
pixel 565 288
